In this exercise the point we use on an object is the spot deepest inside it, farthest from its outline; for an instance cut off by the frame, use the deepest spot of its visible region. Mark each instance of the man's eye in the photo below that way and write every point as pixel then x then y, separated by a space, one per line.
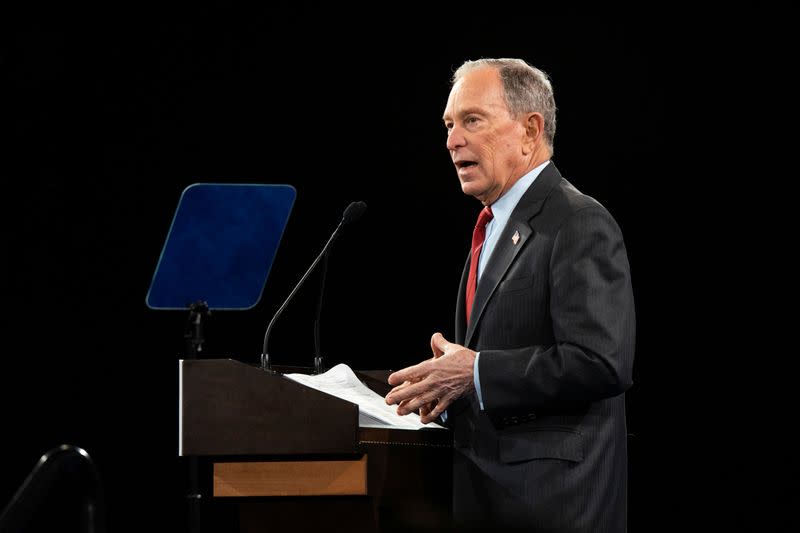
pixel 471 120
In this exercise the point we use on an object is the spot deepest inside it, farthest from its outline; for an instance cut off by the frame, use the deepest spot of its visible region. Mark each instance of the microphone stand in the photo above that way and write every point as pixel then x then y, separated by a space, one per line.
pixel 319 367
pixel 351 214
pixel 265 362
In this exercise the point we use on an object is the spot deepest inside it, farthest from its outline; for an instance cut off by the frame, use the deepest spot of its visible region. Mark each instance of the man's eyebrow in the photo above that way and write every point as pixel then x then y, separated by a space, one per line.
pixel 473 111
pixel 467 111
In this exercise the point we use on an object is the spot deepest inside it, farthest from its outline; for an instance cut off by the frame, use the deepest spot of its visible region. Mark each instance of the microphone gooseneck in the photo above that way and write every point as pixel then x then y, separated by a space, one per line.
pixel 353 212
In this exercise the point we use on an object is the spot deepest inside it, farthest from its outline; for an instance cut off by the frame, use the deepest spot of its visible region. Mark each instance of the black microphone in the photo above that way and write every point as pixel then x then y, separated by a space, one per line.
pixel 353 212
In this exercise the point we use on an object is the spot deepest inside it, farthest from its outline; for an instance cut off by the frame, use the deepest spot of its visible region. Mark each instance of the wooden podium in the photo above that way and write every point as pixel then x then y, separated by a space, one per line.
pixel 278 456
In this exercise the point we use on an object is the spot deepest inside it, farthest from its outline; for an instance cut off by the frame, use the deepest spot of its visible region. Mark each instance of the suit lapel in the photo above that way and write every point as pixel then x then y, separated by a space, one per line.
pixel 461 304
pixel 506 249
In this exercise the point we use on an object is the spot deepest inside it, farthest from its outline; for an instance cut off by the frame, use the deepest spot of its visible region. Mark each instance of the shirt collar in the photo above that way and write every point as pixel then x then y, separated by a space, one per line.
pixel 504 206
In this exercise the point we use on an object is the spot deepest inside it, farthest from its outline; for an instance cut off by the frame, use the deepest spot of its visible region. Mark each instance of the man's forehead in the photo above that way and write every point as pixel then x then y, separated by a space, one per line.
pixel 481 87
pixel 475 100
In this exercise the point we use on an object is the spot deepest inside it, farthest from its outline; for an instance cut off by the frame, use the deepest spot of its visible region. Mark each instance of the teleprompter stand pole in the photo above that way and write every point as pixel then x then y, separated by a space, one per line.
pixel 198 311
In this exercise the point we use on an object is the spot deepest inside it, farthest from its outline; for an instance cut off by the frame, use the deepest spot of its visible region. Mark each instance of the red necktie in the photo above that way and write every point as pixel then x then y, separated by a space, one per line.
pixel 478 235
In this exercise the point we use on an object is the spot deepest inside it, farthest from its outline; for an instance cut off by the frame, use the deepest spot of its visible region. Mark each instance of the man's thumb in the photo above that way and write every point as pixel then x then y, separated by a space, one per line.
pixel 438 344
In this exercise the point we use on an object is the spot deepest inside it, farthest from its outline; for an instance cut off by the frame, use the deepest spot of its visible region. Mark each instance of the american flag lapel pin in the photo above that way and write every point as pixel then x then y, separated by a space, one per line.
pixel 515 238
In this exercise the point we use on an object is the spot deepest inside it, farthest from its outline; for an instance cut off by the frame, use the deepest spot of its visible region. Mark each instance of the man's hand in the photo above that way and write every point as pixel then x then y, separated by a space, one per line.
pixel 431 386
pixel 424 410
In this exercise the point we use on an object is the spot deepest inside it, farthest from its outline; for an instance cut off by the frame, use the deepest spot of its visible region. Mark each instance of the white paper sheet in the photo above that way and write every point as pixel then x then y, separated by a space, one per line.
pixel 341 381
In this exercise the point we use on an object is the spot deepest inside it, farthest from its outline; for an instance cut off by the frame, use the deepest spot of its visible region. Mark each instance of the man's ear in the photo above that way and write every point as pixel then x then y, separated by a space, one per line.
pixel 535 126
pixel 534 130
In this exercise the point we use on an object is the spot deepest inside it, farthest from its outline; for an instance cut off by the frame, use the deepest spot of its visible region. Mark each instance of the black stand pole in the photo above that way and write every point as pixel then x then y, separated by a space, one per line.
pixel 319 366
pixel 194 345
pixel 194 329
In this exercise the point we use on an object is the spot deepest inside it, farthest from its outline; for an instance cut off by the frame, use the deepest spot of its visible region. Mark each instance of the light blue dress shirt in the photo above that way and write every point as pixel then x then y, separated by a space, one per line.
pixel 501 209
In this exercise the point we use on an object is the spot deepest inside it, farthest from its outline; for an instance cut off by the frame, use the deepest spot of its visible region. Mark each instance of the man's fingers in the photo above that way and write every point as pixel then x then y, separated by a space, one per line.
pixel 424 410
pixel 410 373
pixel 406 374
pixel 441 405
pixel 402 385
pixel 395 378
pixel 406 391
pixel 416 402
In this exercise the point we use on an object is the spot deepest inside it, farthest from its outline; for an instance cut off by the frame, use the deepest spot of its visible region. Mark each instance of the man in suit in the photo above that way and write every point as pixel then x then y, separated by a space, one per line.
pixel 533 384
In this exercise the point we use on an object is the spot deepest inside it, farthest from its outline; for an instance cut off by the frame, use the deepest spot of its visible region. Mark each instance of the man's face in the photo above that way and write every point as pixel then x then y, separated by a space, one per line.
pixel 485 142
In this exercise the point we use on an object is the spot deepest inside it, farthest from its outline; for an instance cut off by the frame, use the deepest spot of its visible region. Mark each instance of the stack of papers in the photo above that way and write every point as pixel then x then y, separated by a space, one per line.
pixel 341 381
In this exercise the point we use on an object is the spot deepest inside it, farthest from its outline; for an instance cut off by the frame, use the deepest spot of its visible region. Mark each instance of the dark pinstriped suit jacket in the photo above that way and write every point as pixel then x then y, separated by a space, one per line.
pixel 553 319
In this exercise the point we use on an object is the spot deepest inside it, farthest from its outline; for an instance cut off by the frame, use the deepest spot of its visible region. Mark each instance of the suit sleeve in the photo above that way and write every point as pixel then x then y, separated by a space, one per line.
pixel 593 321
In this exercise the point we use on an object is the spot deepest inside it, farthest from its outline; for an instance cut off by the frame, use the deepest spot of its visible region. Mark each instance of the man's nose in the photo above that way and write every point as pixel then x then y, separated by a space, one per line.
pixel 455 139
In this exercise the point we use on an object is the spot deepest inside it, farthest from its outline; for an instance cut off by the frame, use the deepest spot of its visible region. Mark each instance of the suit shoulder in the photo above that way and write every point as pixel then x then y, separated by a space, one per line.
pixel 567 200
pixel 571 200
pixel 569 207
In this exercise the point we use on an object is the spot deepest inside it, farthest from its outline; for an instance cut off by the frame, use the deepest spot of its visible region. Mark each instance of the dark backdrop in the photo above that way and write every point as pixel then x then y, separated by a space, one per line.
pixel 113 115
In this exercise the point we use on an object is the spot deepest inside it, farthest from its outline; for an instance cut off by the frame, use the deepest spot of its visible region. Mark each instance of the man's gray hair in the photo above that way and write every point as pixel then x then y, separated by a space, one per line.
pixel 527 89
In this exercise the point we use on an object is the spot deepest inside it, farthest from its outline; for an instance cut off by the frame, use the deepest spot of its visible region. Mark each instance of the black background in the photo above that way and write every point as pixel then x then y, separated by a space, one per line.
pixel 112 115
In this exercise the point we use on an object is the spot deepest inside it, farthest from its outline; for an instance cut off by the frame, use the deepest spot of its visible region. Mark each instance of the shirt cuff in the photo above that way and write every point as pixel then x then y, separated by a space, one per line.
pixel 477 379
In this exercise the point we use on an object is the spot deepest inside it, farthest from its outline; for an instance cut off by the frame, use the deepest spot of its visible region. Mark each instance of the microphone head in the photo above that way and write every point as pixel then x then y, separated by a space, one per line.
pixel 353 212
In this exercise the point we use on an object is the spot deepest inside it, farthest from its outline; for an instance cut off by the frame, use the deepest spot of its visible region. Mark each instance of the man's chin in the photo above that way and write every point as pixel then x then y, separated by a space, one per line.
pixel 471 189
